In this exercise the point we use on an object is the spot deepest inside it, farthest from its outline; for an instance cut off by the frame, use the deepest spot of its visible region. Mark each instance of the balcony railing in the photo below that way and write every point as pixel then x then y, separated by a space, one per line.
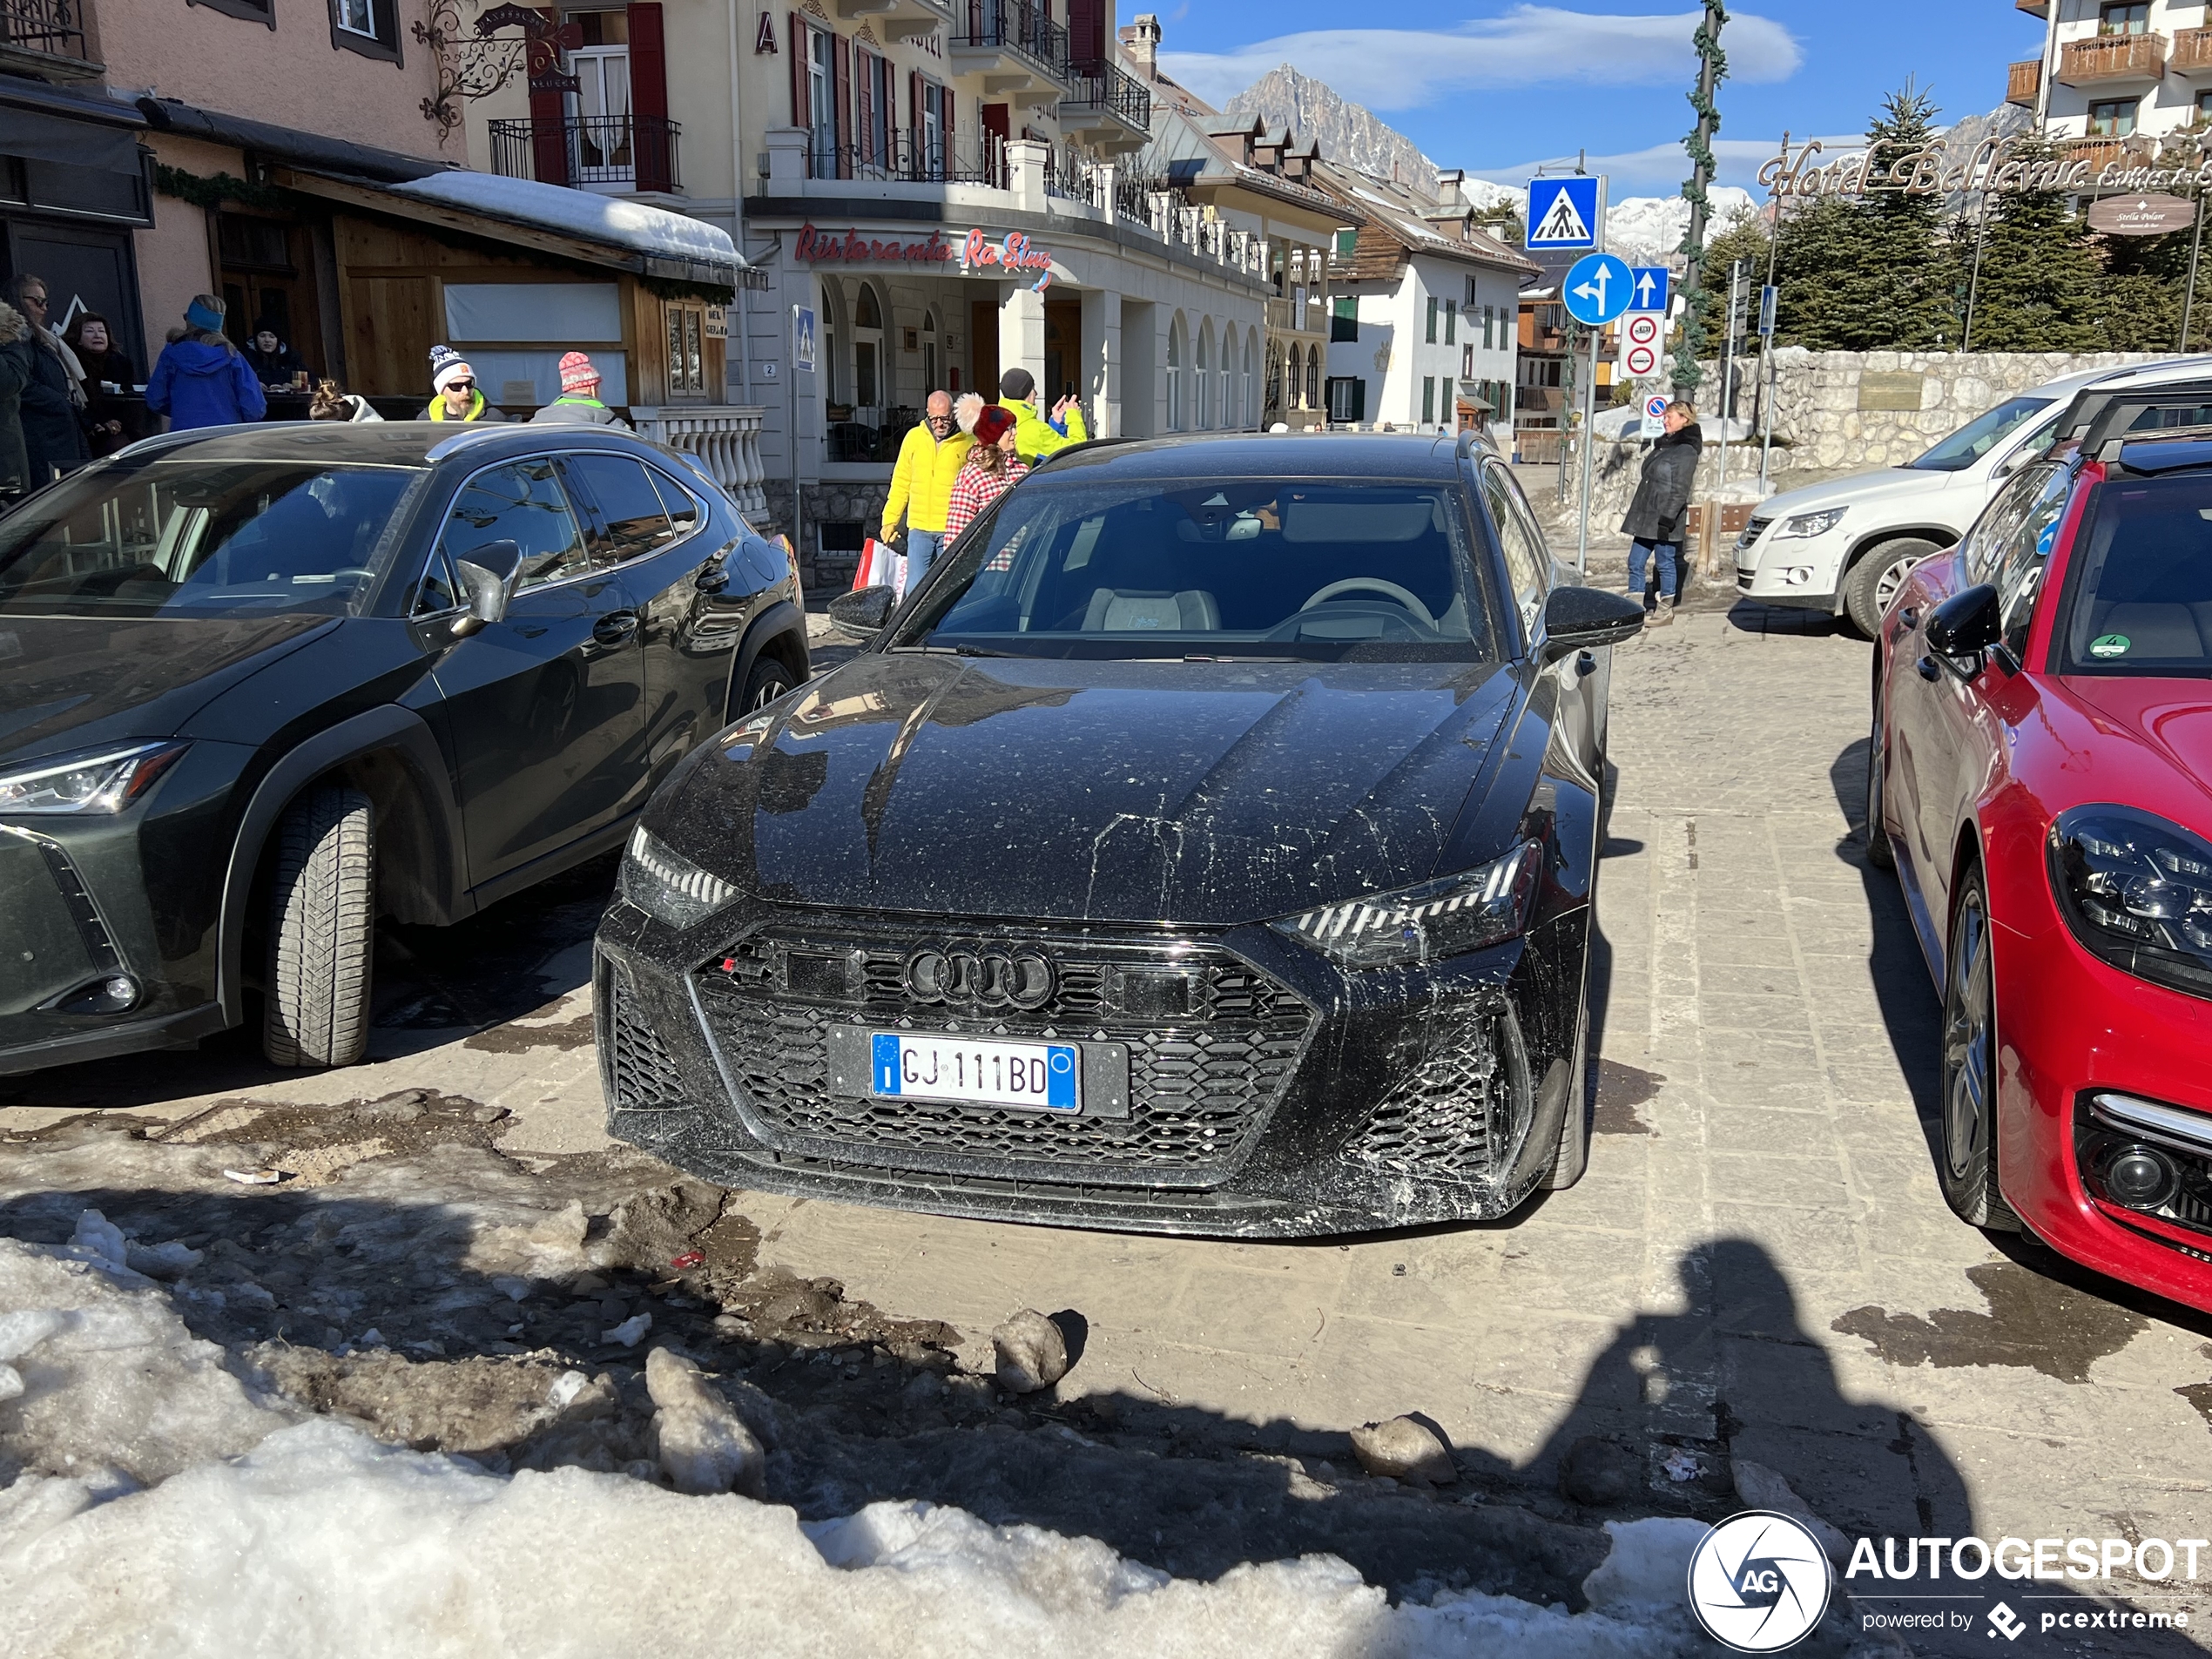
pixel 905 157
pixel 2023 82
pixel 1102 89
pixel 724 437
pixel 2112 57
pixel 1010 26
pixel 636 153
pixel 1133 195
pixel 2098 152
pixel 2192 53
pixel 44 35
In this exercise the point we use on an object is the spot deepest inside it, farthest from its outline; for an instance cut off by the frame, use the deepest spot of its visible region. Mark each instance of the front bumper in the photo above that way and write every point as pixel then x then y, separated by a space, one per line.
pixel 1272 1095
pixel 1801 571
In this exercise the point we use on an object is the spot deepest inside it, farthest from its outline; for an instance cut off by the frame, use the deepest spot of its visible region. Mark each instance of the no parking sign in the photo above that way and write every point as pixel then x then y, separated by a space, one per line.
pixel 1655 415
pixel 1642 334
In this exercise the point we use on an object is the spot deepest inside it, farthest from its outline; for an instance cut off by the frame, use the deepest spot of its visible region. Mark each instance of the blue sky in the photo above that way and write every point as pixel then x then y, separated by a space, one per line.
pixel 1497 86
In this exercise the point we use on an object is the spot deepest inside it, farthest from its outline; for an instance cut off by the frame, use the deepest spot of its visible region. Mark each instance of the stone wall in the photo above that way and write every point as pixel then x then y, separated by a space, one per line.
pixel 824 570
pixel 1836 414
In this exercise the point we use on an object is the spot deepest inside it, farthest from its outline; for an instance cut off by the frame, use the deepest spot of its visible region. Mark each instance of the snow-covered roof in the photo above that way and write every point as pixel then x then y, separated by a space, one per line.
pixel 660 236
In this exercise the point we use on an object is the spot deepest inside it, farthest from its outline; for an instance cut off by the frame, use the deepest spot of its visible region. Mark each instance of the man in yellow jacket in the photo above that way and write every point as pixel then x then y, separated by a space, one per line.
pixel 921 484
pixel 1033 436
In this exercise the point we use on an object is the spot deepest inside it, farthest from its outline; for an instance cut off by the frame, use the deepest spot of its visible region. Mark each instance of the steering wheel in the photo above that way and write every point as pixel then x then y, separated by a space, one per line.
pixel 1374 585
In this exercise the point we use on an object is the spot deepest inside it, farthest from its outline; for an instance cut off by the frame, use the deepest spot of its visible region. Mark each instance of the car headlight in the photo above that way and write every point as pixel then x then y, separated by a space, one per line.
pixel 1812 523
pixel 2137 891
pixel 103 780
pixel 667 886
pixel 1437 919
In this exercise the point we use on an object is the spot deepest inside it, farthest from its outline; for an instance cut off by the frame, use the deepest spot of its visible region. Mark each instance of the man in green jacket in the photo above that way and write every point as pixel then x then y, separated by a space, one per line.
pixel 1033 436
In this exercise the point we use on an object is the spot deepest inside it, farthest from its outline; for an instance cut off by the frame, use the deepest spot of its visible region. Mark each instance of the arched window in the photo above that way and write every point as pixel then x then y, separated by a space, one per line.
pixel 867 350
pixel 1175 374
pixel 1313 379
pixel 1251 360
pixel 1223 404
pixel 1294 379
pixel 1202 406
pixel 930 360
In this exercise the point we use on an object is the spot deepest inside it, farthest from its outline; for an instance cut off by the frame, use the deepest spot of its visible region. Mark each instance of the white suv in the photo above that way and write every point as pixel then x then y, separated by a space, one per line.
pixel 1844 547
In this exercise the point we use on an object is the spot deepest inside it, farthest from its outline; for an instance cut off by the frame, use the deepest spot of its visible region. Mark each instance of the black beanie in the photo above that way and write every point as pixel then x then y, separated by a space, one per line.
pixel 1016 383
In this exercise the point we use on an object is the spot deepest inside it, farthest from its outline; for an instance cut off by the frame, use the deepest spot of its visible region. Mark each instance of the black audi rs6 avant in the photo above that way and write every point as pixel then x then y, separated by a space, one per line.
pixel 1206 847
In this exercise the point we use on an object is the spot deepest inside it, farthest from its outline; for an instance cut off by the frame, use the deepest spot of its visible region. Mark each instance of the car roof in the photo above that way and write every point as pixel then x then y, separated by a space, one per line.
pixel 371 443
pixel 2157 373
pixel 1249 455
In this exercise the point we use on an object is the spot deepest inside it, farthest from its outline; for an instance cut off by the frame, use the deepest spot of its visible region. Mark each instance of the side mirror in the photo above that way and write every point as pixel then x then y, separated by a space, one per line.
pixel 863 610
pixel 487 575
pixel 1583 618
pixel 1966 625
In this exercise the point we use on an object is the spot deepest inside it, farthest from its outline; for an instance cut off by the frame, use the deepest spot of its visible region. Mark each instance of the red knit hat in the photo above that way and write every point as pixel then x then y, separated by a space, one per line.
pixel 993 424
pixel 578 378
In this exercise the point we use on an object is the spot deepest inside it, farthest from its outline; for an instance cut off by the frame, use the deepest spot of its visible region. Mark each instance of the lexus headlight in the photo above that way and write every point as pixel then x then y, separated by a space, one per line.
pixel 1812 523
pixel 2137 891
pixel 103 780
pixel 665 884
pixel 1437 919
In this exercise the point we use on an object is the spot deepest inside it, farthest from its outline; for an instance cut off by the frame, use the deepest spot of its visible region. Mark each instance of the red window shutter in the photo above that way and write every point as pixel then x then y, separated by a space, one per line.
pixel 548 130
pixel 842 103
pixel 864 103
pixel 1087 37
pixel 649 141
pixel 798 111
pixel 921 168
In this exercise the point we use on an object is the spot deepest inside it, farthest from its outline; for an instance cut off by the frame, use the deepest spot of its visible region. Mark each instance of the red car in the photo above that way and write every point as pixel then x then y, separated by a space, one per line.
pixel 2040 777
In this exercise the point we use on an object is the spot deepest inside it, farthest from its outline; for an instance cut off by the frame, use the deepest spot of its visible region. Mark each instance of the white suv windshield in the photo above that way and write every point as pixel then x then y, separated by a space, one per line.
pixel 1311 569
pixel 1978 437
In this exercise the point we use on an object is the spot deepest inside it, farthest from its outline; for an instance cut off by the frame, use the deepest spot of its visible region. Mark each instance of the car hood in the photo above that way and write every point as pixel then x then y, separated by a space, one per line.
pixel 2172 719
pixel 67 683
pixel 1200 794
pixel 1859 488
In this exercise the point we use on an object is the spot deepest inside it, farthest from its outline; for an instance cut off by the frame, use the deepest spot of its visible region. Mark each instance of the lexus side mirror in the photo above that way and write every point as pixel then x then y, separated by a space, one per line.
pixel 1966 625
pixel 863 610
pixel 1583 618
pixel 487 575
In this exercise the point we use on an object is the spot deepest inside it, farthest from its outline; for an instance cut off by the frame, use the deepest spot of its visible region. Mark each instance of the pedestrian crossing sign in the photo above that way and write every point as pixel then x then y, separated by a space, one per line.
pixel 1566 211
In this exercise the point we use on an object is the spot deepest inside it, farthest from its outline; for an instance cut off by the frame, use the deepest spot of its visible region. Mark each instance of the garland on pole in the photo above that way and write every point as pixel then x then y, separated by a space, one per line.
pixel 212 193
pixel 1712 70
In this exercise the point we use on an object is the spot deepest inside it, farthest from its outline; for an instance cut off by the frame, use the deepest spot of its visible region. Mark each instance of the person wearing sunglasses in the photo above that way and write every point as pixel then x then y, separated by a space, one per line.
pixel 453 386
pixel 930 457
pixel 201 379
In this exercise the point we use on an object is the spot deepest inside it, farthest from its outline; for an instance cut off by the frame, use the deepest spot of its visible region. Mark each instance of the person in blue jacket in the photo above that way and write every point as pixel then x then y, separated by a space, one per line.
pixel 203 380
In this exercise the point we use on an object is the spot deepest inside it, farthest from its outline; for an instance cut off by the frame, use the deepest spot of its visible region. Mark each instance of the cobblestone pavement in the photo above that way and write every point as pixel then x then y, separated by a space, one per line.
pixel 1759 1265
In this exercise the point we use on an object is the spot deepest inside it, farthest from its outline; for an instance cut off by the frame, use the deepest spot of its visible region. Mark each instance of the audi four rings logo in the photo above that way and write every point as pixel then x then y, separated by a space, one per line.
pixel 982 978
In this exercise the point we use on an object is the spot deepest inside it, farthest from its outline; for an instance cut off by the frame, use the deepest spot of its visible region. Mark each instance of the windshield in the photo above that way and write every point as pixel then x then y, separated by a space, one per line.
pixel 195 538
pixel 1978 437
pixel 1306 570
pixel 2140 593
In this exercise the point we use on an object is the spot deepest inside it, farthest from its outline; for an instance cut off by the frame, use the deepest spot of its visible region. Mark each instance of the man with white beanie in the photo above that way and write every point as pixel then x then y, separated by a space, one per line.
pixel 454 384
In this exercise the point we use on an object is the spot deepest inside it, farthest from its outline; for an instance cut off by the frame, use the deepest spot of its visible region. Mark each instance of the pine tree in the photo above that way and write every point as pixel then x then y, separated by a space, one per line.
pixel 2042 287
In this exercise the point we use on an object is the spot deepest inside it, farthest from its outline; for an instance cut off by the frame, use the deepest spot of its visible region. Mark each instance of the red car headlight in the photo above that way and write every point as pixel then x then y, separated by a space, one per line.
pixel 2137 891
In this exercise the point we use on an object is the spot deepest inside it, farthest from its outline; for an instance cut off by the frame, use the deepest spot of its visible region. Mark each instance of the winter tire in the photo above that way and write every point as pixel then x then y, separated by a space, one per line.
pixel 1873 581
pixel 768 680
pixel 1966 1133
pixel 322 927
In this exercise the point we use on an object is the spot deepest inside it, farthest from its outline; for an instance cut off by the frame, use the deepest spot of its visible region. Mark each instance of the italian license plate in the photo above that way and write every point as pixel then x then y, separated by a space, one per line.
pixel 1032 1076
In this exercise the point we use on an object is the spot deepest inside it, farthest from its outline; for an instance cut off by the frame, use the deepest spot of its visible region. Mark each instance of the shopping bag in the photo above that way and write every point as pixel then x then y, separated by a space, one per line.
pixel 898 573
pixel 874 568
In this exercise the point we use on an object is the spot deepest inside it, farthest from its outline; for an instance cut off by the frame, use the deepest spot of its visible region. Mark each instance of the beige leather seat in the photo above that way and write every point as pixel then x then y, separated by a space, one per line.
pixel 1117 611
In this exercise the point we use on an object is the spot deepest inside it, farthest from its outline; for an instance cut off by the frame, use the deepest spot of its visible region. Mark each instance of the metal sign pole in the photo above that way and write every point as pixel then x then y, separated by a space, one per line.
pixel 1588 440
pixel 1728 365
pixel 1566 426
pixel 2189 296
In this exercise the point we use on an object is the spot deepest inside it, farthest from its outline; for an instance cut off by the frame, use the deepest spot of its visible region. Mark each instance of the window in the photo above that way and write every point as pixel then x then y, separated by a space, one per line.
pixel 1294 375
pixel 821 103
pixel 2139 588
pixel 877 108
pixel 1517 540
pixel 1466 362
pixel 1313 379
pixel 1428 395
pixel 1175 375
pixel 1450 322
pixel 929 380
pixel 1347 243
pixel 603 148
pixel 630 521
pixel 1472 295
pixel 682 506
pixel 369 27
pixel 1251 410
pixel 686 350
pixel 867 349
pixel 1975 439
pixel 1347 398
pixel 1431 319
pixel 1205 411
pixel 1489 326
pixel 931 120
pixel 523 503
pixel 1344 321
pixel 2113 117
pixel 2128 19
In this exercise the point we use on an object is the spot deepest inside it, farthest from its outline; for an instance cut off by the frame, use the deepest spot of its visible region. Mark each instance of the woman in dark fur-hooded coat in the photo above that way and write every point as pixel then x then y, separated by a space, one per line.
pixel 1661 501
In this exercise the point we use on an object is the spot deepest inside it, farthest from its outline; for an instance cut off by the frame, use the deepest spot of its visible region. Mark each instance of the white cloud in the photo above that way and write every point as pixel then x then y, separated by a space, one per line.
pixel 1664 166
pixel 1406 69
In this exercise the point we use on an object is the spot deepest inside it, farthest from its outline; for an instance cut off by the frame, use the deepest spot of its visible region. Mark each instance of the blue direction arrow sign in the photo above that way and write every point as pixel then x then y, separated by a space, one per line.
pixel 1597 289
pixel 1650 284
pixel 1563 212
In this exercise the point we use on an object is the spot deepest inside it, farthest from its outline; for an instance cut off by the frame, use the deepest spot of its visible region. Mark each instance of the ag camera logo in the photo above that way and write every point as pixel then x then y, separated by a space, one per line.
pixel 1759 1581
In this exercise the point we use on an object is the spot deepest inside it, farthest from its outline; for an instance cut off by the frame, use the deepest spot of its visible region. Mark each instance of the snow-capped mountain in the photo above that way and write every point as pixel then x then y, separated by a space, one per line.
pixel 1348 132
pixel 1646 230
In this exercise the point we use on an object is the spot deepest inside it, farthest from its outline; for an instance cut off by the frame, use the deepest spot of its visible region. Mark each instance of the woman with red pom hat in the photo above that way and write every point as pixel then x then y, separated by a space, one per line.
pixel 992 467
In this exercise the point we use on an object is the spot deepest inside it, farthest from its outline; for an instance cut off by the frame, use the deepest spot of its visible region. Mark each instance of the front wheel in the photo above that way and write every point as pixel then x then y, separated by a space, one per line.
pixel 1966 1159
pixel 768 680
pixel 322 931
pixel 1873 581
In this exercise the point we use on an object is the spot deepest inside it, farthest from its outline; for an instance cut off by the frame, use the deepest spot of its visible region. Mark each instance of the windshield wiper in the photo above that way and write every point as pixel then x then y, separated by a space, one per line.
pixel 1240 656
pixel 948 651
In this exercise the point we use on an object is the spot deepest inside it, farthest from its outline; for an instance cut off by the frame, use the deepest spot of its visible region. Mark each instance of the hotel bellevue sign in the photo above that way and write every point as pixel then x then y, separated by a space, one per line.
pixel 1994 164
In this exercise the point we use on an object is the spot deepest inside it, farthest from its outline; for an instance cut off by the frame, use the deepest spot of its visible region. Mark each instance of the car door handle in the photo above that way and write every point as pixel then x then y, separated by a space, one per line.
pixel 615 627
pixel 1928 669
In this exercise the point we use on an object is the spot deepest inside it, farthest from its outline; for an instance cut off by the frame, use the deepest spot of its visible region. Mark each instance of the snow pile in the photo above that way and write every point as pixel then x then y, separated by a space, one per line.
pixel 267 1537
pixel 653 230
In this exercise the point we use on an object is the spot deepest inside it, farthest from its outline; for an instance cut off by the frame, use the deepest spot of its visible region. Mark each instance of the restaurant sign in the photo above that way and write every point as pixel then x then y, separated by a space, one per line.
pixel 976 251
pixel 1994 164
pixel 2142 215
